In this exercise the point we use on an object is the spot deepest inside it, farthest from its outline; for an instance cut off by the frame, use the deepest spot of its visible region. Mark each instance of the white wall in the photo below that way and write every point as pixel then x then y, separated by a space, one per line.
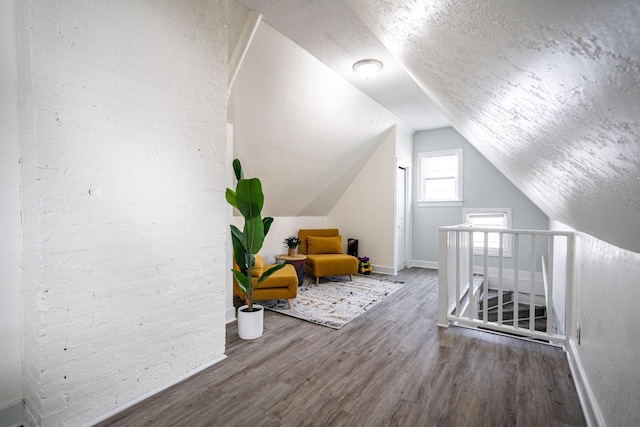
pixel 483 187
pixel 606 289
pixel 366 210
pixel 404 144
pixel 10 227
pixel 122 117
pixel 300 127
pixel 404 158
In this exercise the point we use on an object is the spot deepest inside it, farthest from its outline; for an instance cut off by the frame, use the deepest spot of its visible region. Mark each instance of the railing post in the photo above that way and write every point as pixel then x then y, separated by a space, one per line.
pixel 568 298
pixel 532 284
pixel 549 300
pixel 443 280
pixel 485 279
pixel 500 278
pixel 516 278
pixel 473 308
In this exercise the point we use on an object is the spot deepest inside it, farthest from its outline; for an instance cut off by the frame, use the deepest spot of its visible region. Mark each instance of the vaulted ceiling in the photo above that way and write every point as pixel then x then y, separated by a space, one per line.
pixel 548 91
pixel 299 127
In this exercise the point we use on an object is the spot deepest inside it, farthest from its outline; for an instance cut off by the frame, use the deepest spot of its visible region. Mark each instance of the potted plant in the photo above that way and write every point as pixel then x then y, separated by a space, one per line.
pixel 249 199
pixel 292 243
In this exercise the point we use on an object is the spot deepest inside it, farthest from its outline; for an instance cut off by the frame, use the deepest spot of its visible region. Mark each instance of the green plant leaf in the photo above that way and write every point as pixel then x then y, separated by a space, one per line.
pixel 238 248
pixel 237 169
pixel 249 197
pixel 253 235
pixel 267 224
pixel 230 195
pixel 269 272
pixel 243 282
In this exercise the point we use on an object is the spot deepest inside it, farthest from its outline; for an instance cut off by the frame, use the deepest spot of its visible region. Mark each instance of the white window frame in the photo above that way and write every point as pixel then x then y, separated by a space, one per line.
pixel 457 201
pixel 507 238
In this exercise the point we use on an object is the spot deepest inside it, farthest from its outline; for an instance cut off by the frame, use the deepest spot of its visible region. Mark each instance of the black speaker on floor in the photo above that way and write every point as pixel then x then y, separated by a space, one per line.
pixel 352 247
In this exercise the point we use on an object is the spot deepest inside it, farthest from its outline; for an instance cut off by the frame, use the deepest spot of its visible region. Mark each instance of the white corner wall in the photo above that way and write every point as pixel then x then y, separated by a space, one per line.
pixel 404 144
pixel 10 226
pixel 298 126
pixel 122 113
pixel 606 289
pixel 366 210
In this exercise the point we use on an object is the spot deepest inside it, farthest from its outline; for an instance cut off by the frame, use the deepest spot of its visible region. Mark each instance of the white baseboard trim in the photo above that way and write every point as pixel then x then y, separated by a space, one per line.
pixel 592 413
pixel 230 315
pixel 423 264
pixel 12 414
pixel 383 269
pixel 155 391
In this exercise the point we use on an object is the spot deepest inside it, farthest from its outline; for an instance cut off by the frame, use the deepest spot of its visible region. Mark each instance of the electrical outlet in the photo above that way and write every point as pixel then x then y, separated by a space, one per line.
pixel 578 332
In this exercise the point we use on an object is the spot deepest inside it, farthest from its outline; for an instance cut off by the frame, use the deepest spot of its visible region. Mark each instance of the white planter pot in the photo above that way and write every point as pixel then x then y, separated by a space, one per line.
pixel 250 323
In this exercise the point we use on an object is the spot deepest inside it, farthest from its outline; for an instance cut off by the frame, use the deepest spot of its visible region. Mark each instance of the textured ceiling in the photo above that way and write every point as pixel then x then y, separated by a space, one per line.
pixel 548 91
pixel 333 33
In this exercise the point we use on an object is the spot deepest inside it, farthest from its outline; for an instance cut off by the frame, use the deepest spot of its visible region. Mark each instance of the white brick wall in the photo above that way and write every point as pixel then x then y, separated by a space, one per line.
pixel 10 228
pixel 123 111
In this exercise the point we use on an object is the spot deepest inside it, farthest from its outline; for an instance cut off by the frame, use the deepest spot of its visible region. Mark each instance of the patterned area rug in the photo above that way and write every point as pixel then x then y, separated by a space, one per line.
pixel 334 302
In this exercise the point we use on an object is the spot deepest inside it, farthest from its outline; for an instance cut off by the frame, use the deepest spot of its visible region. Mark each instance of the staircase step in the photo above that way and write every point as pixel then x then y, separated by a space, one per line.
pixel 507 297
pixel 508 312
pixel 492 300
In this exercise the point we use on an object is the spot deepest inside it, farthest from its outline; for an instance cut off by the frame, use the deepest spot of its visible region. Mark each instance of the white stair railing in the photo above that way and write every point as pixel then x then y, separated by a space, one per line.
pixel 475 286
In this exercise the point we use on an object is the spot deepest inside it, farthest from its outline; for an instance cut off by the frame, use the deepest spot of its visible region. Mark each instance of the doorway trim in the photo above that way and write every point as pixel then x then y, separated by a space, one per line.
pixel 402 164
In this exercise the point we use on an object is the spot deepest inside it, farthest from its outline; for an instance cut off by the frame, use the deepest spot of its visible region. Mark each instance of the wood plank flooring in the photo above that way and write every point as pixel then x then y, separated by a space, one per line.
pixel 391 366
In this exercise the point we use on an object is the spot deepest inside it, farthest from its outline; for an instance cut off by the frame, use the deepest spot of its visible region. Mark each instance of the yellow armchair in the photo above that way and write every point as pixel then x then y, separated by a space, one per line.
pixel 283 284
pixel 325 257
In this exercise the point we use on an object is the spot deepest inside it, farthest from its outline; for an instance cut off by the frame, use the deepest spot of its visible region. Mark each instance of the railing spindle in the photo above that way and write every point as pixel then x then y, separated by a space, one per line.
pixel 458 236
pixel 516 276
pixel 485 280
pixel 473 313
pixel 532 284
pixel 500 273
pixel 549 299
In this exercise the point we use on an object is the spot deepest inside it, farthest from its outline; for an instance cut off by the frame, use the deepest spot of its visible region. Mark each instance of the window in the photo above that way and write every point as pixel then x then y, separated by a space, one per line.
pixel 441 178
pixel 490 218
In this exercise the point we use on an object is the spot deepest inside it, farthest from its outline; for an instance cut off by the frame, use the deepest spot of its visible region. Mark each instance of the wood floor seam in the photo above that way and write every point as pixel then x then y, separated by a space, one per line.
pixel 392 366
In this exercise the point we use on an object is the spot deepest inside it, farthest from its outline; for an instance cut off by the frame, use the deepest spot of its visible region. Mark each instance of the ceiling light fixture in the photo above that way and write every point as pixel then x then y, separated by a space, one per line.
pixel 367 67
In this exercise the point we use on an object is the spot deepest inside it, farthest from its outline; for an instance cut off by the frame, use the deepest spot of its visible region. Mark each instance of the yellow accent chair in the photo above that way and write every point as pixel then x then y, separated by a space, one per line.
pixel 325 257
pixel 283 284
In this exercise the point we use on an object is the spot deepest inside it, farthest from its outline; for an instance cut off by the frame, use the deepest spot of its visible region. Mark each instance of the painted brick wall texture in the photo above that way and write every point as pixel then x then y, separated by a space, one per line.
pixel 10 228
pixel 123 112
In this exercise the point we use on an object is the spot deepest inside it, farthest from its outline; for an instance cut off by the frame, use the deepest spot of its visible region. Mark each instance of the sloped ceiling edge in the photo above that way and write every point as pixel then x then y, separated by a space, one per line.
pixel 548 92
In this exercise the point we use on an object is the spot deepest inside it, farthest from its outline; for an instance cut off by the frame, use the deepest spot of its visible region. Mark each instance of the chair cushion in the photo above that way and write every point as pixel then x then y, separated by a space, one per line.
pixel 282 278
pixel 332 264
pixel 324 245
pixel 320 232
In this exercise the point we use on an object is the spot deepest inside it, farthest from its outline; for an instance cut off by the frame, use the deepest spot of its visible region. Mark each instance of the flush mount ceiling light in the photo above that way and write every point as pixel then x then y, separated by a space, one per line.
pixel 367 68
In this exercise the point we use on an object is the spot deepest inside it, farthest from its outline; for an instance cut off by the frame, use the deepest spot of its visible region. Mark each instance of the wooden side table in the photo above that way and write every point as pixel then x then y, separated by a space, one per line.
pixel 297 261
